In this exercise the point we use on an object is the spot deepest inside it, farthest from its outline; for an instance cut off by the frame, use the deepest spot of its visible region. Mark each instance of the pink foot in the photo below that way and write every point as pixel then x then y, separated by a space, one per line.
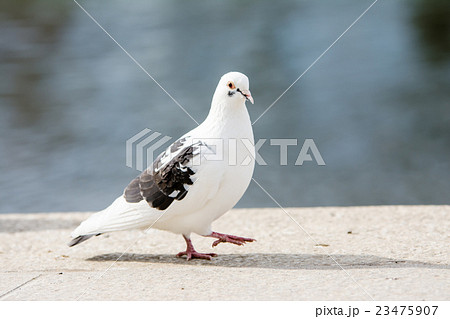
pixel 224 238
pixel 191 253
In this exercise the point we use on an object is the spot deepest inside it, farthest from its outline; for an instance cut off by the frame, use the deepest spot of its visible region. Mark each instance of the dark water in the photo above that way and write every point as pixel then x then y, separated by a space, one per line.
pixel 376 105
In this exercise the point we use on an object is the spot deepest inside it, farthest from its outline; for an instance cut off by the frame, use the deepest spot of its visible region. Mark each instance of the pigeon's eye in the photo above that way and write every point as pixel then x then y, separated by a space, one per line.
pixel 231 85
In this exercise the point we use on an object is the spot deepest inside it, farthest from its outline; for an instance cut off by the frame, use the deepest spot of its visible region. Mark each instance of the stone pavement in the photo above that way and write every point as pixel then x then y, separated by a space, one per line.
pixel 387 253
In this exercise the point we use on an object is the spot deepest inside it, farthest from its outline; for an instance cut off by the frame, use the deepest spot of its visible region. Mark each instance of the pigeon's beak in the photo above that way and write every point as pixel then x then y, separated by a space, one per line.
pixel 247 94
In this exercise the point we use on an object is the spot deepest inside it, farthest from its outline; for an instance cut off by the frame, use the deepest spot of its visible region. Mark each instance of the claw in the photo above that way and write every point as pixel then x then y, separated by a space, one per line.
pixel 224 238
pixel 191 253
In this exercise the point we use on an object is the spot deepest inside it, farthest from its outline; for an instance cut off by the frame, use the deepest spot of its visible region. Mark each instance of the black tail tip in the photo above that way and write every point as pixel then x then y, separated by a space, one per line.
pixel 78 240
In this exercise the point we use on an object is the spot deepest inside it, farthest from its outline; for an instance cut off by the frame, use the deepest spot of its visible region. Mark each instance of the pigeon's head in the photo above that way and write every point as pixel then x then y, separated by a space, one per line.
pixel 233 87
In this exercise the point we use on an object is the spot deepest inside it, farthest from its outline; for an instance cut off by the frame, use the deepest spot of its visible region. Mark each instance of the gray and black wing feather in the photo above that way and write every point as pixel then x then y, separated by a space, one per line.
pixel 167 179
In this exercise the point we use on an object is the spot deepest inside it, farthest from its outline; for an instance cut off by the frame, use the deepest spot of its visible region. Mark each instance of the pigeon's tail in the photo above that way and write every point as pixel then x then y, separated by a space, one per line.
pixel 78 240
pixel 120 215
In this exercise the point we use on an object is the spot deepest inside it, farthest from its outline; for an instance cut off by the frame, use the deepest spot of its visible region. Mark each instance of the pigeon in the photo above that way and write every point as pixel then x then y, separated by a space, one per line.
pixel 196 180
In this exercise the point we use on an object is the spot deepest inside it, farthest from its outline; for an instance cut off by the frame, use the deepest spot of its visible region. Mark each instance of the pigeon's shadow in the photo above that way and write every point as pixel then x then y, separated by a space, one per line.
pixel 275 261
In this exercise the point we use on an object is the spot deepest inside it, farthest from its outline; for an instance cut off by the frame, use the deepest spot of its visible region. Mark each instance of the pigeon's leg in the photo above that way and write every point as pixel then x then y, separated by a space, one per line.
pixel 224 238
pixel 191 253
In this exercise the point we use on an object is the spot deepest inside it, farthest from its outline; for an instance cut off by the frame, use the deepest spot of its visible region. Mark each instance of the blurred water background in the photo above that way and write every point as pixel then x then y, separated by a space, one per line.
pixel 376 105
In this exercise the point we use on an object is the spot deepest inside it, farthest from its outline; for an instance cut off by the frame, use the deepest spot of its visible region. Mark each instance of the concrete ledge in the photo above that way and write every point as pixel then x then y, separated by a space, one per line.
pixel 388 252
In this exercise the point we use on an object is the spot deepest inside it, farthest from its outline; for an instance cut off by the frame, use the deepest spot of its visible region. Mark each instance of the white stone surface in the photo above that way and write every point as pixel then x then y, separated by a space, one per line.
pixel 388 252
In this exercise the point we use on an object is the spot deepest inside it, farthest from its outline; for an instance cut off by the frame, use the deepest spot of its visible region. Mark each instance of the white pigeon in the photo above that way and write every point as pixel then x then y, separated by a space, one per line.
pixel 196 180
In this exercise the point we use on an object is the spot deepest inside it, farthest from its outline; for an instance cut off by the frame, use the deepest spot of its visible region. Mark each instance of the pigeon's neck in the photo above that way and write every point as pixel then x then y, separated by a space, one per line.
pixel 228 117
